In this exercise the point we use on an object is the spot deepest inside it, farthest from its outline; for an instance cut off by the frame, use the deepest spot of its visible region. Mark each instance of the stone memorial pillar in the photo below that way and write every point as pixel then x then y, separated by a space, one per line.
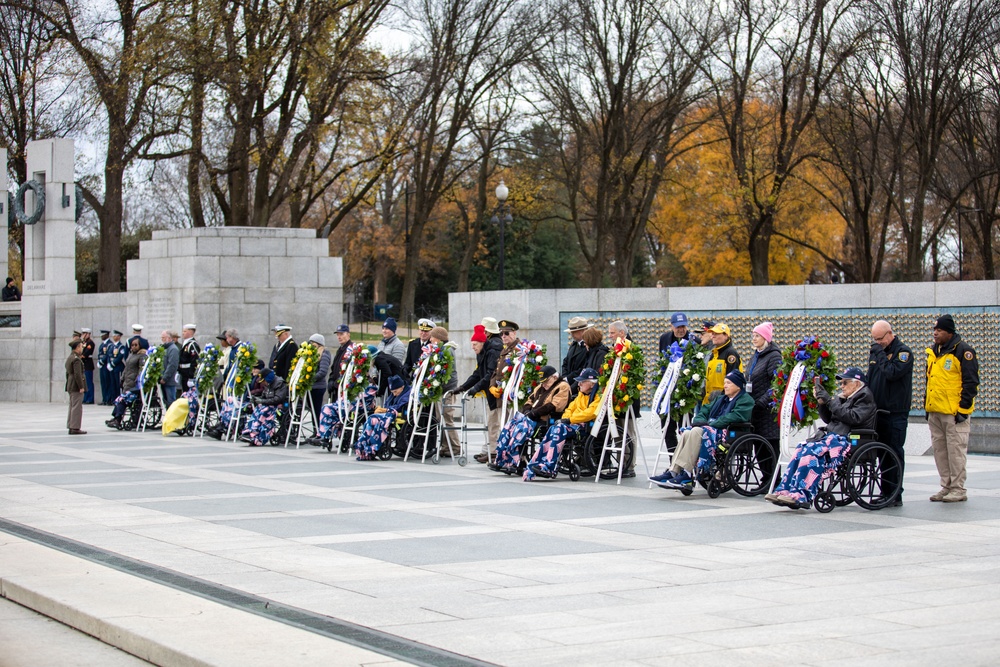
pixel 49 270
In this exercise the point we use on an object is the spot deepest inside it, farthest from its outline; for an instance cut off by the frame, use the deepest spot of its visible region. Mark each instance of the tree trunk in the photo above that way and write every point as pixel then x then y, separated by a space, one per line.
pixel 109 272
pixel 760 249
pixel 194 158
pixel 239 174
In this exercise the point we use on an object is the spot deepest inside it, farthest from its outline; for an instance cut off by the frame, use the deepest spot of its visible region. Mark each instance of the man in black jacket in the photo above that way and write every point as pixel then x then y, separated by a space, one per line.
pixel 10 291
pixel 344 339
pixel 576 358
pixel 890 377
pixel 284 350
pixel 488 334
pixel 189 350
pixel 416 346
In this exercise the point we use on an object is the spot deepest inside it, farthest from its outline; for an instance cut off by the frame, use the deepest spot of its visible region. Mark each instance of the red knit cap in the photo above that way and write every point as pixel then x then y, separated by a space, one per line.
pixel 479 334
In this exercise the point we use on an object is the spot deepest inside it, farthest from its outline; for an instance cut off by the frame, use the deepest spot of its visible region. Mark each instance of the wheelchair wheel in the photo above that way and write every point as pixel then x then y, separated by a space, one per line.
pixel 574 472
pixel 873 476
pixel 714 488
pixel 824 502
pixel 750 465
pixel 384 452
pixel 609 469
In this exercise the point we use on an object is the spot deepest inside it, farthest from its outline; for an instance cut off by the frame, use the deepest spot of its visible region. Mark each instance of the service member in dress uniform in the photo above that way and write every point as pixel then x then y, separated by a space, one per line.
pixel 103 352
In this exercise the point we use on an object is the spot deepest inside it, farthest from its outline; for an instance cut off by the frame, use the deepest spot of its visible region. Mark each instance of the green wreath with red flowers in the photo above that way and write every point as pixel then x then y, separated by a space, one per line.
pixel 534 357
pixel 819 361
pixel 633 374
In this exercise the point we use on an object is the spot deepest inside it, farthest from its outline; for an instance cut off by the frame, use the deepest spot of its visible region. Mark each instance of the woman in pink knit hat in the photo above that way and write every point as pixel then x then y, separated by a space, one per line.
pixel 760 372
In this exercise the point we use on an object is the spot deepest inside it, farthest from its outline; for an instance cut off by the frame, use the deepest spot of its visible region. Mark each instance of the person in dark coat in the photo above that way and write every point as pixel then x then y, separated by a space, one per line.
pixel 103 352
pixel 263 423
pixel 10 291
pixel 890 377
pixel 171 361
pixel 596 351
pixel 189 349
pixel 761 369
pixel 319 386
pixel 852 407
pixel 88 365
pixel 575 359
pixel 283 351
pixel 492 351
pixel 344 341
pixel 416 346
pixel 678 331
pixel 487 357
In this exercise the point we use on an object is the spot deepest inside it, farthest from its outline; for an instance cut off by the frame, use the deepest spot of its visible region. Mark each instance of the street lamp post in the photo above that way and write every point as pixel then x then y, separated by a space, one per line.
pixel 502 217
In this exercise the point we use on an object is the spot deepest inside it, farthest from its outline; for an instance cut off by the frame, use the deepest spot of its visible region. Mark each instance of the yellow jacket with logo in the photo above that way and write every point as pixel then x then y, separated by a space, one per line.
pixel 723 360
pixel 952 378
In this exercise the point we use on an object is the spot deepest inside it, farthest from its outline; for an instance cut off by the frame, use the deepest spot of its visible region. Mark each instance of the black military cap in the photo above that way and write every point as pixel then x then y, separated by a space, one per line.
pixel 508 325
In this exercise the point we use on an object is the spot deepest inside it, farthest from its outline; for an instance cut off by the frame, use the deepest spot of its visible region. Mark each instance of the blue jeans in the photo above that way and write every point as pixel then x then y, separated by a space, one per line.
pixel 169 395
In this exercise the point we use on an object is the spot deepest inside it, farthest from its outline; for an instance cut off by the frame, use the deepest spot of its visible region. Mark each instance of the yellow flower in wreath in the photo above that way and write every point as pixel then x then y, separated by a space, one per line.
pixel 639 387
pixel 629 356
pixel 309 368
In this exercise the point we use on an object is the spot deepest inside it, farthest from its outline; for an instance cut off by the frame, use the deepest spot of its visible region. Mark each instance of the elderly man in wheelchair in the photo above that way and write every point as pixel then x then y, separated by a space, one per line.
pixel 545 404
pixel 582 409
pixel 265 419
pixel 698 444
pixel 818 458
pixel 378 426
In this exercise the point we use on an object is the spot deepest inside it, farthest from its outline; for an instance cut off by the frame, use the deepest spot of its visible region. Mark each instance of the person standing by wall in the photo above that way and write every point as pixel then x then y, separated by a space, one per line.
pixel 103 353
pixel 952 385
pixel 890 377
pixel 76 387
pixel 171 361
pixel 88 365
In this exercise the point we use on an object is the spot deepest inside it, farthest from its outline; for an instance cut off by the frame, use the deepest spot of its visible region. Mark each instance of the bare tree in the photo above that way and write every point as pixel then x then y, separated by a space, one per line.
pixel 291 78
pixel 614 87
pixel 968 172
pixel 935 46
pixel 860 161
pixel 464 48
pixel 768 77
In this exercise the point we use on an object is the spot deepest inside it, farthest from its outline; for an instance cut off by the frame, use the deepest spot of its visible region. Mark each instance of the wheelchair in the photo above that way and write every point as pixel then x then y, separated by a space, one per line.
pixel 870 475
pixel 747 465
pixel 130 418
pixel 592 447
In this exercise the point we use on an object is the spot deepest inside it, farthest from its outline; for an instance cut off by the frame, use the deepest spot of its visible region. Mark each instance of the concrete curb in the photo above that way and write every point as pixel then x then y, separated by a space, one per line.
pixel 157 623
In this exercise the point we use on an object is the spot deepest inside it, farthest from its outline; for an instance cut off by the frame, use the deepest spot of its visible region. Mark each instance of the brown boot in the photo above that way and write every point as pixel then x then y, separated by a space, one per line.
pixel 939 496
pixel 76 431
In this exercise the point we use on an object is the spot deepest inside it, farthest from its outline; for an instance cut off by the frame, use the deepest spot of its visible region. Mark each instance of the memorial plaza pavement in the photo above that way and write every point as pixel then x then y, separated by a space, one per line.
pixel 196 552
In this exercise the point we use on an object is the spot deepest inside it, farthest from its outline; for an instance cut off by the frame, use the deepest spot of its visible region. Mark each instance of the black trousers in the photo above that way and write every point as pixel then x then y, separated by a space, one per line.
pixel 892 431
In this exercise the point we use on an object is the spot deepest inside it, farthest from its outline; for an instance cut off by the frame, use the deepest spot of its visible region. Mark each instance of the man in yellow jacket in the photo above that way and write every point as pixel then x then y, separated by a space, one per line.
pixel 952 385
pixel 723 361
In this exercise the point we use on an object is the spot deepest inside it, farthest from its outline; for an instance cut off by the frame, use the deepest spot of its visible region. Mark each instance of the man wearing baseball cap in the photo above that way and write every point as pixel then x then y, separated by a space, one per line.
pixel 724 359
pixel 853 407
pixel 678 331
